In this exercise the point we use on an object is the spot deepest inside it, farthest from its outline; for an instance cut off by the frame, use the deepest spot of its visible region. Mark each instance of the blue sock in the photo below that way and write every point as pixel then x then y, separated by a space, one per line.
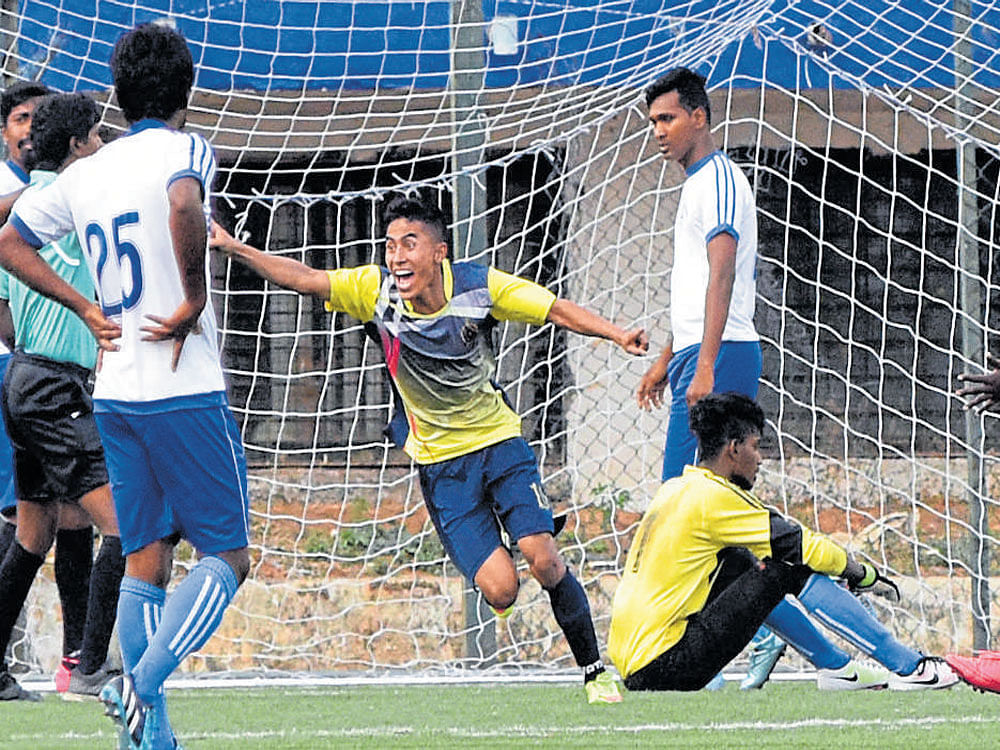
pixel 190 616
pixel 140 606
pixel 796 629
pixel 840 610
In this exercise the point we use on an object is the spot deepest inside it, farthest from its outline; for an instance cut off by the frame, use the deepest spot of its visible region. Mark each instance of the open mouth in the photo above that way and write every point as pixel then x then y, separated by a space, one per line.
pixel 403 278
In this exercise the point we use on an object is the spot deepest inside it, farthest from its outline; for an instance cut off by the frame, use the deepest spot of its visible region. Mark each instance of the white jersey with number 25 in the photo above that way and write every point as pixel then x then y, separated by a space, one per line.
pixel 116 200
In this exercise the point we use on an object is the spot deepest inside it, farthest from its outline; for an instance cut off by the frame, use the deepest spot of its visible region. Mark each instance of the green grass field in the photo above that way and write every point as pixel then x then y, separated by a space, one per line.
pixel 783 715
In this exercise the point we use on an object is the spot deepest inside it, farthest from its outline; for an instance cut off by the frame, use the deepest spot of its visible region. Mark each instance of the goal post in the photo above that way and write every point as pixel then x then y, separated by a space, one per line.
pixel 869 131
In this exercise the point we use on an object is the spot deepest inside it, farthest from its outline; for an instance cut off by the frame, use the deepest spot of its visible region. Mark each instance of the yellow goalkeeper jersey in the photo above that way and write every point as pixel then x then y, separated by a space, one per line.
pixel 672 563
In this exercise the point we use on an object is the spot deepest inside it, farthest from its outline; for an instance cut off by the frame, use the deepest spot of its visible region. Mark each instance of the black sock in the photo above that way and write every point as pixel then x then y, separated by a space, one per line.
pixel 74 559
pixel 17 572
pixel 102 604
pixel 572 612
pixel 8 532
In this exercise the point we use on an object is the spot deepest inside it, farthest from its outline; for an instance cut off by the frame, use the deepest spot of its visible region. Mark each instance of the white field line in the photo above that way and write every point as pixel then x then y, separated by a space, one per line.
pixel 542 732
pixel 45 685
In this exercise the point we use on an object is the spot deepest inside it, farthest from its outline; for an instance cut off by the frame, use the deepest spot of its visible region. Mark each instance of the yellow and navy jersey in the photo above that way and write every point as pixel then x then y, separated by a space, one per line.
pixel 673 560
pixel 443 364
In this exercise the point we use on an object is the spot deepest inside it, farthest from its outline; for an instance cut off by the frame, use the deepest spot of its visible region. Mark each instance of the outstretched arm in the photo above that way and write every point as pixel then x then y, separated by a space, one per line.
pixel 285 272
pixel 566 314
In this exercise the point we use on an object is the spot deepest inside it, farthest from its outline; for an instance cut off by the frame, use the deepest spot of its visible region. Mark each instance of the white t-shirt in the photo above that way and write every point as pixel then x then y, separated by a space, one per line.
pixel 716 197
pixel 12 178
pixel 117 201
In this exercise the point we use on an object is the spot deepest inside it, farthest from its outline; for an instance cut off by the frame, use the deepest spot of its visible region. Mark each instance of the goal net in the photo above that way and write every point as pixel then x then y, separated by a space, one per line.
pixel 868 129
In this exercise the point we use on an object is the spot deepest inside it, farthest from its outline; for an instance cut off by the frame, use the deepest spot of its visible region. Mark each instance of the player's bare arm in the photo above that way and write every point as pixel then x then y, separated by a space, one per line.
pixel 189 237
pixel 653 384
pixel 721 275
pixel 6 325
pixel 23 261
pixel 7 202
pixel 983 390
pixel 285 272
pixel 570 315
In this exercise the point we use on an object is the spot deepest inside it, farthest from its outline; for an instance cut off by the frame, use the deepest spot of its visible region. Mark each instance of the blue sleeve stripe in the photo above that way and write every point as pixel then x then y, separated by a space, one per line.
pixel 722 229
pixel 725 183
pixel 25 231
pixel 199 157
pixel 185 173
pixel 194 146
pixel 718 192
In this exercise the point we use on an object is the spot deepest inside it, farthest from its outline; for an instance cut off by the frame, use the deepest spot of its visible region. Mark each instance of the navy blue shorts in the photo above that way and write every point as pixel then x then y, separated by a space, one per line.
pixel 180 471
pixel 470 496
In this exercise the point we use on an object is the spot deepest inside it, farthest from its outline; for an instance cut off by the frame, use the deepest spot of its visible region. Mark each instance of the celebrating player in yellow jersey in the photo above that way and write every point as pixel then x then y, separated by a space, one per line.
pixel 433 320
pixel 710 561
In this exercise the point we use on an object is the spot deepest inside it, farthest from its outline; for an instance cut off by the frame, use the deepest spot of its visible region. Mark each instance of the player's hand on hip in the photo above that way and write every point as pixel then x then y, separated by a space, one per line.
pixel 183 321
pixel 104 330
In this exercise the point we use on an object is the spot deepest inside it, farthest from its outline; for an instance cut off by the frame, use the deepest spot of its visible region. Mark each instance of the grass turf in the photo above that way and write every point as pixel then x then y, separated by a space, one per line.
pixel 783 715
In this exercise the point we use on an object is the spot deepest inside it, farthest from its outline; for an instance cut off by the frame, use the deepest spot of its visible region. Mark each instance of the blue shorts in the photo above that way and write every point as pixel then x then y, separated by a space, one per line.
pixel 737 368
pixel 470 496
pixel 178 471
pixel 8 499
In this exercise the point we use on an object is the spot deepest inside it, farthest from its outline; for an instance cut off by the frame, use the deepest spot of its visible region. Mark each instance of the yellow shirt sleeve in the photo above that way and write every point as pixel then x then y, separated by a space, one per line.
pixel 518 299
pixel 354 291
pixel 822 554
pixel 739 519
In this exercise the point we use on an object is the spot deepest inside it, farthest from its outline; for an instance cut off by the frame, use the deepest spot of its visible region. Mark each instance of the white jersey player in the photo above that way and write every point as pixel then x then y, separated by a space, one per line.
pixel 173 451
pixel 122 223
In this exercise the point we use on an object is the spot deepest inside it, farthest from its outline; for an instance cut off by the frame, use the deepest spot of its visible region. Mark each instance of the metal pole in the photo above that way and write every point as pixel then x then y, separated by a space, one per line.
pixel 973 337
pixel 468 65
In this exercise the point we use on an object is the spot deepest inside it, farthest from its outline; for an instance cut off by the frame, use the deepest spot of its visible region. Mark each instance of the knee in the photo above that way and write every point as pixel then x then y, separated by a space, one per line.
pixel 500 594
pixel 548 569
pixel 152 563
pixel 239 561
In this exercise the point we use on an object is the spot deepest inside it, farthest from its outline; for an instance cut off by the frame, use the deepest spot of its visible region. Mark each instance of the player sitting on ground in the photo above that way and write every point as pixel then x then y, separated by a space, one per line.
pixel 172 446
pixel 58 457
pixel 677 619
pixel 433 319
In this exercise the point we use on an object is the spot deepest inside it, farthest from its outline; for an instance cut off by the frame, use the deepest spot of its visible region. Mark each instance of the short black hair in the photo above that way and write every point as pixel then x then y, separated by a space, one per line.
pixel 153 72
pixel 418 209
pixel 18 93
pixel 690 88
pixel 57 119
pixel 720 417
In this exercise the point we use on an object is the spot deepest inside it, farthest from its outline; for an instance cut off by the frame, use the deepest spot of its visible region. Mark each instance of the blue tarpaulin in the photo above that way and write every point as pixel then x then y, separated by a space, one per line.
pixel 370 45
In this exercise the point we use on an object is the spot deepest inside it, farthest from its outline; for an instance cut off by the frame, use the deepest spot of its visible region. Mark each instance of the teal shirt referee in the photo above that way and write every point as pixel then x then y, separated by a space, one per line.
pixel 42 326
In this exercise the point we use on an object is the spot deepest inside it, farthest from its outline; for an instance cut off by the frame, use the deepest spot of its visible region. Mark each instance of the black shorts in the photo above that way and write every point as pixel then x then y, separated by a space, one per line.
pixel 49 415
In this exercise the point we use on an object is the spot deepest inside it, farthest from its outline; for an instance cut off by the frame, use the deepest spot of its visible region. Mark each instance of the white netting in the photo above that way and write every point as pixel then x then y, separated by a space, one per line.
pixel 869 131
